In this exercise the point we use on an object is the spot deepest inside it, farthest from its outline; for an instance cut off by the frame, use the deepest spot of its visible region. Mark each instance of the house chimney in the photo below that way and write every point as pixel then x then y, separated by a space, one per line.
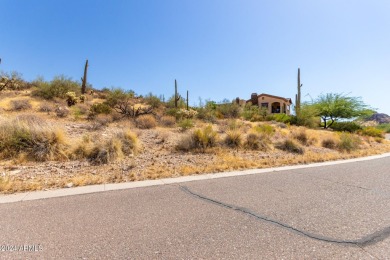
pixel 254 99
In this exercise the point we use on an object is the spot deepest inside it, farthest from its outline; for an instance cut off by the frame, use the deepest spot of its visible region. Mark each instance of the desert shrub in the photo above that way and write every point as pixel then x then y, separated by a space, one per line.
pixel 46 107
pixel 62 111
pixel 206 114
pixel 100 108
pixel 233 138
pixel 329 143
pixel 384 127
pixel 100 121
pixel 373 132
pixel 301 136
pixel 199 139
pixel 129 140
pixel 33 137
pixel 20 104
pixel 152 100
pixel 118 95
pixel 257 141
pixel 282 118
pixel 58 87
pixel 146 122
pixel 348 142
pixel 265 129
pixel 168 121
pixel 350 127
pixel 13 81
pixel 205 137
pixel 307 117
pixel 186 124
pixel 122 143
pixel 229 110
pixel 289 145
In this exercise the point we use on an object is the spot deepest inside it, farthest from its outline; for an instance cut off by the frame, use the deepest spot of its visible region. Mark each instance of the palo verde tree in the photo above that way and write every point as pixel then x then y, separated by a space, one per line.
pixel 332 106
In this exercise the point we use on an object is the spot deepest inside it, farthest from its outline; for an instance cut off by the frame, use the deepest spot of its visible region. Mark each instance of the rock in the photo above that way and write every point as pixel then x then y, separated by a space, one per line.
pixel 69 185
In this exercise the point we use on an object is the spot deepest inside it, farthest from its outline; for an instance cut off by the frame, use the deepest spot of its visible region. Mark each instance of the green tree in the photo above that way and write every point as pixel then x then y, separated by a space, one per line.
pixel 332 106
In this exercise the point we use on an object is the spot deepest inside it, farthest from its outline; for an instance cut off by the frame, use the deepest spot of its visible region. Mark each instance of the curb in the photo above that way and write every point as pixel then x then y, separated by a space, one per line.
pixel 36 195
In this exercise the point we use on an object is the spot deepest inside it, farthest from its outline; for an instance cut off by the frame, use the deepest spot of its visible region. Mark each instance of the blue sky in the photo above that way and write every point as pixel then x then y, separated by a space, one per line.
pixel 216 49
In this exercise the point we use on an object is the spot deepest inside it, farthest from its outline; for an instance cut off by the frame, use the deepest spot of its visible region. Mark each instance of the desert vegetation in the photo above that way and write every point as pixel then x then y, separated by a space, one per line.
pixel 64 133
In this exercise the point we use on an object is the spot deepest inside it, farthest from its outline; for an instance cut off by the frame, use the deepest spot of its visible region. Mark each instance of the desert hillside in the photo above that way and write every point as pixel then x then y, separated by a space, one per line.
pixel 54 139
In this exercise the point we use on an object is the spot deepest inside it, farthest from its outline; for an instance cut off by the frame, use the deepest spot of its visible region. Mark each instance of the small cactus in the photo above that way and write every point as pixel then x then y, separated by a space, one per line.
pixel 71 98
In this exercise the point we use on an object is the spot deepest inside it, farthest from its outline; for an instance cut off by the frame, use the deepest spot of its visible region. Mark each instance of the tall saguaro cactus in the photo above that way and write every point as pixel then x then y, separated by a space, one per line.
pixel 187 101
pixel 298 95
pixel 84 79
pixel 177 97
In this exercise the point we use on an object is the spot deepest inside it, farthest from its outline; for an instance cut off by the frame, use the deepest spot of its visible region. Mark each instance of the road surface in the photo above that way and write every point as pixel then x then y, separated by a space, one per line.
pixel 330 212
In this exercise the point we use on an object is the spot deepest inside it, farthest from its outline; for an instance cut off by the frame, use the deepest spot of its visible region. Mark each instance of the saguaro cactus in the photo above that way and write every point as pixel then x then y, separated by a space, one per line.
pixel 187 100
pixel 84 79
pixel 298 95
pixel 177 97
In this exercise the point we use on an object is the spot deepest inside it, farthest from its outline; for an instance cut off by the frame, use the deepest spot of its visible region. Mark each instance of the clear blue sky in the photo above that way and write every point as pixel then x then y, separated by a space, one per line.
pixel 216 49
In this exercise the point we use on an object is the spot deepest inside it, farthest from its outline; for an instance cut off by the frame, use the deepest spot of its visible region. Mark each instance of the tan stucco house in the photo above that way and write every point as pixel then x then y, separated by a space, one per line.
pixel 274 104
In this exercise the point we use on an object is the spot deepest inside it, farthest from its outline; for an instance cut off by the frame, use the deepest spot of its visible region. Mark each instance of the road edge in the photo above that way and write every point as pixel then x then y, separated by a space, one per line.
pixel 36 195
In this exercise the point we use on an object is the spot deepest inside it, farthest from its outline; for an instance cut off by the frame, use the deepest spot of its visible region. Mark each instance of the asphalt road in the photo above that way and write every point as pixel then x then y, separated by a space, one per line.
pixel 331 212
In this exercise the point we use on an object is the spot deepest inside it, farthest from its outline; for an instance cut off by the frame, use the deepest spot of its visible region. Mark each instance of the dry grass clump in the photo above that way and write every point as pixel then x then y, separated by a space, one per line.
pixel 291 146
pixel 257 141
pixel 329 143
pixel 233 138
pixel 199 139
pixel 100 121
pixel 62 111
pixel 348 142
pixel 123 143
pixel 146 122
pixel 20 104
pixel 32 138
pixel 301 136
pixel 168 121
pixel 265 129
pixel 45 107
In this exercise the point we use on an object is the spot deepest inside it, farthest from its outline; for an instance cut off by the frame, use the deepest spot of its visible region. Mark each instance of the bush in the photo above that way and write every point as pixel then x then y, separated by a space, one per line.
pixel 348 142
pixel 200 139
pixel 373 132
pixel 100 108
pixel 146 122
pixel 58 87
pixel 301 136
pixel 206 114
pixel 350 127
pixel 265 129
pixel 257 141
pixel 186 124
pixel 122 143
pixel 233 138
pixel 45 107
pixel 62 111
pixel 282 118
pixel 229 110
pixel 329 143
pixel 20 104
pixel 290 146
pixel 100 121
pixel 153 101
pixel 384 127
pixel 117 95
pixel 168 121
pixel 33 137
